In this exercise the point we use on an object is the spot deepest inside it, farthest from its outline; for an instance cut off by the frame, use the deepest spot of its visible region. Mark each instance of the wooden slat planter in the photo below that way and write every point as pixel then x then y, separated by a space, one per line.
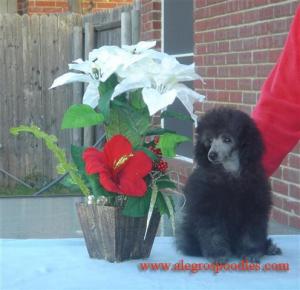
pixel 114 237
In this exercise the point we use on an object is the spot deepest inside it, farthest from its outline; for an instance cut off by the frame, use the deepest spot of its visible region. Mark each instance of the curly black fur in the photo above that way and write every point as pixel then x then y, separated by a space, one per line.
pixel 227 215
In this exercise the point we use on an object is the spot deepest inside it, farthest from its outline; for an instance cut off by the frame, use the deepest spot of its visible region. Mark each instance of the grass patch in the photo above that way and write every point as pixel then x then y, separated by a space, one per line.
pixel 20 190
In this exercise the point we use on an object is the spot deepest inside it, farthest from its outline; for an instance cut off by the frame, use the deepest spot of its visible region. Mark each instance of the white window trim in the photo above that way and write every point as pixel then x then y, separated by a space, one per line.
pixel 178 157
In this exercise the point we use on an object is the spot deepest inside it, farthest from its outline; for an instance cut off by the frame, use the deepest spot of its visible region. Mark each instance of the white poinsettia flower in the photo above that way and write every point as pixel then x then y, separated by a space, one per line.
pixel 87 74
pixel 102 63
pixel 156 100
pixel 188 97
pixel 140 47
pixel 160 80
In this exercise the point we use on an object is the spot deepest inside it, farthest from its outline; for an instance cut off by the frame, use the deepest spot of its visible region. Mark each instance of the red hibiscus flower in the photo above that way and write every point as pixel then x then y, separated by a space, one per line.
pixel 120 169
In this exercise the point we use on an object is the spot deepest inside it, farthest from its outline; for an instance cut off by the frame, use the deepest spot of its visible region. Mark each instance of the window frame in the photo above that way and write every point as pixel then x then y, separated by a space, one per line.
pixel 187 54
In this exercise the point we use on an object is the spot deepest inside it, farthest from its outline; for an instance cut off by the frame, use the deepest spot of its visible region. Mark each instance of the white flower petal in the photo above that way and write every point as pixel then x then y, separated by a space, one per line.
pixel 188 97
pixel 84 66
pixel 139 47
pixel 156 101
pixel 70 78
pixel 131 83
pixel 91 95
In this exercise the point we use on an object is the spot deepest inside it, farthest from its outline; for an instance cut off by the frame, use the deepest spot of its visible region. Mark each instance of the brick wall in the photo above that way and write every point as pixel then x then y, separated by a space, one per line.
pixel 91 6
pixel 63 6
pixel 151 20
pixel 237 42
pixel 236 45
pixel 45 7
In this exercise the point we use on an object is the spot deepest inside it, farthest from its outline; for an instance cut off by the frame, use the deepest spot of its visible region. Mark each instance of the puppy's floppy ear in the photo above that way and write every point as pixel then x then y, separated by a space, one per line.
pixel 200 149
pixel 251 145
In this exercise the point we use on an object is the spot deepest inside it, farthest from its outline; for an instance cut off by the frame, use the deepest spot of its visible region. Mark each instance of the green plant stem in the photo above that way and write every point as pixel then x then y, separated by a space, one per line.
pixel 60 155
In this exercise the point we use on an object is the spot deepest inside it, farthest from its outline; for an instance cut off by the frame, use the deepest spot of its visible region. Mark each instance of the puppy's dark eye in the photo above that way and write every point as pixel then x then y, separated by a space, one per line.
pixel 227 140
pixel 209 140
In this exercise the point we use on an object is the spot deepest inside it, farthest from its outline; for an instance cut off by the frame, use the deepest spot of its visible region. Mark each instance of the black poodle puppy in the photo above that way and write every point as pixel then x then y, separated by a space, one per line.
pixel 228 196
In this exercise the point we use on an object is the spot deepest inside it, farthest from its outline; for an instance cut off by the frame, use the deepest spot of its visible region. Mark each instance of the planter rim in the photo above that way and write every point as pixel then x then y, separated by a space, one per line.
pixel 115 208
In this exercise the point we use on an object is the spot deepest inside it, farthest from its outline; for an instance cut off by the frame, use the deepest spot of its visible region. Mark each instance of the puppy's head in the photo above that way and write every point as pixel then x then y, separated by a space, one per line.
pixel 220 146
pixel 229 138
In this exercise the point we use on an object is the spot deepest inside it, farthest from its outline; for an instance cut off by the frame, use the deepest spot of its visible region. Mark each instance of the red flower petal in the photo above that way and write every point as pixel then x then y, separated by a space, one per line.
pixel 133 187
pixel 95 161
pixel 108 183
pixel 127 178
pixel 115 148
pixel 131 177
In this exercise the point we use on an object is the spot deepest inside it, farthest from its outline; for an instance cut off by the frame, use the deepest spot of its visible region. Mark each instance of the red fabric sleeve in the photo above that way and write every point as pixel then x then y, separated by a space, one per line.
pixel 277 113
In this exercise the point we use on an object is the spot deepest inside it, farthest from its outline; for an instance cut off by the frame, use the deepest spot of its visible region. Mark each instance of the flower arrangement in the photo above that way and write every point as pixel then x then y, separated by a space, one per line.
pixel 126 86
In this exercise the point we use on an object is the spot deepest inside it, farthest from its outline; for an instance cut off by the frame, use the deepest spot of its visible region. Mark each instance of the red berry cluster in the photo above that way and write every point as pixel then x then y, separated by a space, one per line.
pixel 159 164
pixel 156 151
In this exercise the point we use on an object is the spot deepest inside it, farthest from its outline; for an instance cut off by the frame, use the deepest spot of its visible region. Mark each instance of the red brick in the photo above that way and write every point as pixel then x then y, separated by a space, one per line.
pixel 231 84
pixel 294 221
pixel 280 187
pixel 274 55
pixel 266 13
pixel 107 5
pixel 211 71
pixel 278 173
pixel 232 58
pixel 294 161
pixel 261 56
pixel 44 3
pixel 235 97
pixel 294 191
pixel 263 70
pixel 246 85
pixel 246 31
pixel 282 10
pixel 236 45
pixel 219 59
pixel 291 175
pixel 280 216
pixel 245 58
pixel 291 206
pixel 249 98
pixel 257 84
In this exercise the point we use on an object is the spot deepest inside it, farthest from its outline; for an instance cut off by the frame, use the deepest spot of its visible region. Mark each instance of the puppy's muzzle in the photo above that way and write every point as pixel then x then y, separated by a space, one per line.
pixel 212 156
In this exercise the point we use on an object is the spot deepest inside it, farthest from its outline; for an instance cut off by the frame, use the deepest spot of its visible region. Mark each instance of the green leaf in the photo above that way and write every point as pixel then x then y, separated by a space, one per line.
pixel 165 182
pixel 138 206
pixel 176 115
pixel 136 99
pixel 170 206
pixel 76 153
pixel 168 142
pixel 128 122
pixel 80 115
pixel 158 131
pixel 161 205
pixel 106 90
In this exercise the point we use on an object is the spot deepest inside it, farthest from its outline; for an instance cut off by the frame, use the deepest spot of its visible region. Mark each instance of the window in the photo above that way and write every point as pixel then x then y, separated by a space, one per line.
pixel 177 40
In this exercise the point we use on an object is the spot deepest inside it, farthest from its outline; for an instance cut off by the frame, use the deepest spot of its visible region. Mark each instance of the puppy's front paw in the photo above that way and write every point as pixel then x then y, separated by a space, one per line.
pixel 272 248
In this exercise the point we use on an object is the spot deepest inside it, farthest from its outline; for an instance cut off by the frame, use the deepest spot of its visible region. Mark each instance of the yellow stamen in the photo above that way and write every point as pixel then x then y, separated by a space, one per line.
pixel 122 160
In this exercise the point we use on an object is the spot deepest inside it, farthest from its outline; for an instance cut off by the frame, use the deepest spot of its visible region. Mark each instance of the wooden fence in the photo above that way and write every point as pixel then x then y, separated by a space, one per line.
pixel 34 50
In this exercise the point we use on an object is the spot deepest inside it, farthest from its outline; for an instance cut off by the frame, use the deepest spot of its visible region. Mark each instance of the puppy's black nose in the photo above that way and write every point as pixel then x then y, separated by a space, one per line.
pixel 212 156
